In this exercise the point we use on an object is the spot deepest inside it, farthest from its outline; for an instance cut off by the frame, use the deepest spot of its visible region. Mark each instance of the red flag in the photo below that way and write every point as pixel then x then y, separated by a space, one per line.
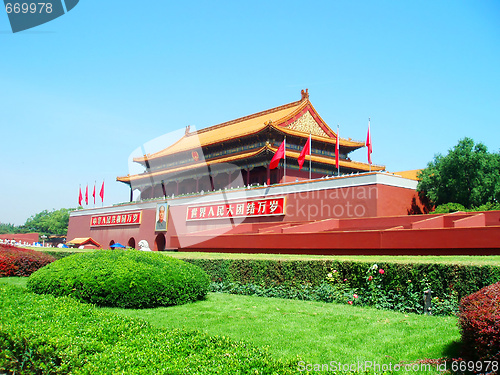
pixel 280 154
pixel 101 193
pixel 87 195
pixel 80 198
pixel 93 193
pixel 369 144
pixel 337 149
pixel 305 151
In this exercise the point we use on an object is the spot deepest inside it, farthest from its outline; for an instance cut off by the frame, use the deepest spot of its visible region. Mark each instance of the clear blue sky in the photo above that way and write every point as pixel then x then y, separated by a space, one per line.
pixel 79 94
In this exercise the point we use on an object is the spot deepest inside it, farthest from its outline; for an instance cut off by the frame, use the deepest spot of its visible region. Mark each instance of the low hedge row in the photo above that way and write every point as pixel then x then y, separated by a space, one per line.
pixel 122 278
pixel 479 320
pixel 42 334
pixel 60 254
pixel 400 280
pixel 15 261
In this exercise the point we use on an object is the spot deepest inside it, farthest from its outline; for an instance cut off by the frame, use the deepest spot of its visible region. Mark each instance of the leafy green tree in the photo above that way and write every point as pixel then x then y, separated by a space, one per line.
pixel 449 207
pixel 10 228
pixel 49 223
pixel 468 175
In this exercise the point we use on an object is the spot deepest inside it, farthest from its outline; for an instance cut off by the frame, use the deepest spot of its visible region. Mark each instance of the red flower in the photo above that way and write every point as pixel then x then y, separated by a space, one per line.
pixel 355 296
pixel 370 278
pixel 349 302
pixel 381 271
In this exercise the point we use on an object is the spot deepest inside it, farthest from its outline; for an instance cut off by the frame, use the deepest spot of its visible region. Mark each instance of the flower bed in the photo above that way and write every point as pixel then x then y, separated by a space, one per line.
pixel 16 261
pixel 479 320
pixel 395 286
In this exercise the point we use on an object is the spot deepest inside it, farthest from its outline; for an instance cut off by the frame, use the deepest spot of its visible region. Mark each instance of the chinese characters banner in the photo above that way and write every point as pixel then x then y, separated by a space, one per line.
pixel 129 218
pixel 247 208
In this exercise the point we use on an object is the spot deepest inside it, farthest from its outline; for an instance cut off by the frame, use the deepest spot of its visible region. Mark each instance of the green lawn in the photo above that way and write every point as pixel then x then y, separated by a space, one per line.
pixel 18 281
pixel 493 260
pixel 317 332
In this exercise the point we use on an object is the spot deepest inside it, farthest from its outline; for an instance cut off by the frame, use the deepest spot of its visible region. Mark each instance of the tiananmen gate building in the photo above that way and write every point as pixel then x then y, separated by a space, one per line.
pixel 213 190
pixel 207 160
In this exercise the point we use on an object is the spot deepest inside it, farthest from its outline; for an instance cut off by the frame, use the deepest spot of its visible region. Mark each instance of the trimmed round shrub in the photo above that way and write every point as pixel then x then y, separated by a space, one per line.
pixel 122 278
pixel 479 321
pixel 15 261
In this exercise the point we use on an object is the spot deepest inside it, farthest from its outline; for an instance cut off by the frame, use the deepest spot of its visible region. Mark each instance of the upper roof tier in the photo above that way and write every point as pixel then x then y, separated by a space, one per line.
pixel 283 119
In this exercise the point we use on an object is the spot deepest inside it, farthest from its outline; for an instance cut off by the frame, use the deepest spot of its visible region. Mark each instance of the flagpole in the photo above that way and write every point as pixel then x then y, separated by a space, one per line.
pixel 337 145
pixel 370 143
pixel 310 155
pixel 284 169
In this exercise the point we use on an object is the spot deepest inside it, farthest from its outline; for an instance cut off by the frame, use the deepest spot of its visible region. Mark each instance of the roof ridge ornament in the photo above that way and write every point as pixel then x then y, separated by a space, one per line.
pixel 305 94
pixel 187 130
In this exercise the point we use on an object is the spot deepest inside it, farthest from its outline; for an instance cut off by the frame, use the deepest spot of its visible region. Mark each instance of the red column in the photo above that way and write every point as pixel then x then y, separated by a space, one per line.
pixel 268 175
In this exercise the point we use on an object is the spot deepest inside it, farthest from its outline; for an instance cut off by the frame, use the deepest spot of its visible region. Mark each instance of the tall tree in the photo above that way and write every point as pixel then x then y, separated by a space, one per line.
pixel 49 223
pixel 468 175
pixel 9 228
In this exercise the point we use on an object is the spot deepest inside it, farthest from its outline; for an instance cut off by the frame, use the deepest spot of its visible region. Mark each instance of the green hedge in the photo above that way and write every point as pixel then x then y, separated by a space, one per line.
pixel 58 254
pixel 42 334
pixel 122 278
pixel 309 279
pixel 444 279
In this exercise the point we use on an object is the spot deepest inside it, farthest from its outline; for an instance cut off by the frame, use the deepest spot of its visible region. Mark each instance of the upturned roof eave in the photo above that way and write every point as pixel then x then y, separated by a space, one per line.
pixel 223 159
pixel 299 104
pixel 245 155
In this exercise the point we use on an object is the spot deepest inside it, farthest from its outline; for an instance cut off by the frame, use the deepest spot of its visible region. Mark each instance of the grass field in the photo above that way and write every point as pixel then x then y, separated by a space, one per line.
pixel 317 332
pixel 492 260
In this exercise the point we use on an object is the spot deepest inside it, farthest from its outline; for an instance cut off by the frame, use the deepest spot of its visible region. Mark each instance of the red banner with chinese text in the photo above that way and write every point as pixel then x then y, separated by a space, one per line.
pixel 237 209
pixel 129 218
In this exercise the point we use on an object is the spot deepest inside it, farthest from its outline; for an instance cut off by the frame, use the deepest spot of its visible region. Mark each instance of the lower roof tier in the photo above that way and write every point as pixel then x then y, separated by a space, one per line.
pixel 246 161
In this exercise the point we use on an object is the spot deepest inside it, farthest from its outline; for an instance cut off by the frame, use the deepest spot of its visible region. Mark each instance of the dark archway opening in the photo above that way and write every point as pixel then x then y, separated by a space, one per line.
pixel 131 242
pixel 160 242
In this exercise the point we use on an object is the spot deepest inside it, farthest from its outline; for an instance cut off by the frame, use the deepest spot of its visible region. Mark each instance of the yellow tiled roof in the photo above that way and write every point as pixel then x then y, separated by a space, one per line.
pixel 410 174
pixel 250 125
pixel 199 164
pixel 245 155
pixel 325 160
pixel 79 241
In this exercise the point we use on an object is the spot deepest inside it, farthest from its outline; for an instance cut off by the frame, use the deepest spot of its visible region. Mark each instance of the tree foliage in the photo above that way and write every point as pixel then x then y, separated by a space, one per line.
pixel 49 223
pixel 468 175
pixel 10 228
